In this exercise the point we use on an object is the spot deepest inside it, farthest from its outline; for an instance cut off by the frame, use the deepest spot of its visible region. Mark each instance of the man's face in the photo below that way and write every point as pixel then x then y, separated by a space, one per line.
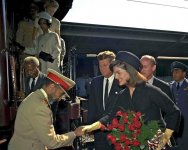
pixel 148 68
pixel 178 75
pixel 104 68
pixel 121 75
pixel 57 93
pixel 31 70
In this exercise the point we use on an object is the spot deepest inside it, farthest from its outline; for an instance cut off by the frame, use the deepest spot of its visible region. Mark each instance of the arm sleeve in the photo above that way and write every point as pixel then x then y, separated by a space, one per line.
pixel 41 122
pixel 56 47
pixel 172 112
pixel 91 104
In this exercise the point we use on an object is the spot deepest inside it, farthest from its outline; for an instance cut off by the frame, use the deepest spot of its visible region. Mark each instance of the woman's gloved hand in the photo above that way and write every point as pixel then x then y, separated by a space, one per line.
pixel 165 139
pixel 92 127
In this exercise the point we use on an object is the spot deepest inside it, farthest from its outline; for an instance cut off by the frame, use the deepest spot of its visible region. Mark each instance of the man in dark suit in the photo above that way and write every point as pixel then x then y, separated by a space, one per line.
pixel 148 69
pixel 179 87
pixel 103 92
pixel 34 79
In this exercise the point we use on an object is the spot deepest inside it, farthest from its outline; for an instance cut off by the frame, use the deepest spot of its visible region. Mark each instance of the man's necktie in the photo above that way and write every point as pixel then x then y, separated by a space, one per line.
pixel 178 85
pixel 106 92
pixel 32 85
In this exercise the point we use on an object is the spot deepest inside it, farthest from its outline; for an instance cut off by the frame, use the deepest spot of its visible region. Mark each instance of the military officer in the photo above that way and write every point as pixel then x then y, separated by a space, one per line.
pixel 179 87
pixel 34 128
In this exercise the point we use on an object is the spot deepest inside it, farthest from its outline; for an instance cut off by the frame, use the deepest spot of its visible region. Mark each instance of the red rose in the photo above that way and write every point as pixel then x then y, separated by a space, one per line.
pixel 125 115
pixel 110 127
pixel 135 119
pixel 137 124
pixel 115 122
pixel 121 127
pixel 119 113
pixel 125 120
pixel 134 135
pixel 126 148
pixel 118 146
pixel 113 140
pixel 131 127
pixel 127 142
pixel 102 127
pixel 136 143
pixel 138 131
pixel 138 114
pixel 109 136
pixel 123 137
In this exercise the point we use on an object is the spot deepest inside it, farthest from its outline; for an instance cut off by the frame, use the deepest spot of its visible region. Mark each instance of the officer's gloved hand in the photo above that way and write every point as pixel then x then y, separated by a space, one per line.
pixel 92 127
pixel 46 57
pixel 165 139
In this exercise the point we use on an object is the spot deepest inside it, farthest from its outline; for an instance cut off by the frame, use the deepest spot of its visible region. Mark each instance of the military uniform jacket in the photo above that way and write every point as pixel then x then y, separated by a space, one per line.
pixel 34 129
pixel 181 97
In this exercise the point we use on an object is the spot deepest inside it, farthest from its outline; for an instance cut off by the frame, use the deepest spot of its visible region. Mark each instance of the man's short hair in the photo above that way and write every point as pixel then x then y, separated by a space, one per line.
pixel 106 55
pixel 150 58
pixel 32 59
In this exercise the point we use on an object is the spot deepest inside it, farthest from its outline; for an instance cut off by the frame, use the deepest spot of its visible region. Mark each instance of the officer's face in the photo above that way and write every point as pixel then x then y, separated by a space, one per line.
pixel 58 93
pixel 104 68
pixel 121 75
pixel 147 68
pixel 178 75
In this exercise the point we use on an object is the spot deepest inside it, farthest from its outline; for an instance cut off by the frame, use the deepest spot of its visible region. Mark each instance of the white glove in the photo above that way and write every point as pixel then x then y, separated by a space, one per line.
pixel 92 127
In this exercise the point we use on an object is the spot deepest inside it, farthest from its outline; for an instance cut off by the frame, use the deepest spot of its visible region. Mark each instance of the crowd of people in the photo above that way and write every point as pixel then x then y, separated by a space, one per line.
pixel 142 92
pixel 125 81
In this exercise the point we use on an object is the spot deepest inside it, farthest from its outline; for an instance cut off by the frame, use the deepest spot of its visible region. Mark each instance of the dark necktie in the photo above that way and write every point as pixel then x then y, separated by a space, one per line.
pixel 178 85
pixel 106 92
pixel 32 85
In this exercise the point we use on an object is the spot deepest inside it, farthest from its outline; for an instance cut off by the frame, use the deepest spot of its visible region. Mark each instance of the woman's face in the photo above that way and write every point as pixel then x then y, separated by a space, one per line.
pixel 121 75
pixel 43 24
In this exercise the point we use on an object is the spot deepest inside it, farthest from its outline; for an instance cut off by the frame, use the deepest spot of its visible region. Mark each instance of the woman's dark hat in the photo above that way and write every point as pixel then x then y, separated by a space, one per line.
pixel 129 58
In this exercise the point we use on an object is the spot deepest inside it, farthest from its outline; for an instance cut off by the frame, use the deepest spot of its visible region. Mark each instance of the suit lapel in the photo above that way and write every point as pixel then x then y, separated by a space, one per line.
pixel 27 86
pixel 112 94
pixel 100 93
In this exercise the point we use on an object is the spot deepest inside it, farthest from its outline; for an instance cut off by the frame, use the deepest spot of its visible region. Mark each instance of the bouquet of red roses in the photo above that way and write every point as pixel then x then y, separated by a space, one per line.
pixel 127 131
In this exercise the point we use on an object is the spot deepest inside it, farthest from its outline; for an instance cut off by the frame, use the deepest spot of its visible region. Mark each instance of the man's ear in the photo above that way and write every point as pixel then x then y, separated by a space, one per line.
pixel 154 68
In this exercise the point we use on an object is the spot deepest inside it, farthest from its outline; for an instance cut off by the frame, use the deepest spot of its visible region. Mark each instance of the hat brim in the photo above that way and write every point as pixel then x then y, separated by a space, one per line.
pixel 66 94
pixel 141 76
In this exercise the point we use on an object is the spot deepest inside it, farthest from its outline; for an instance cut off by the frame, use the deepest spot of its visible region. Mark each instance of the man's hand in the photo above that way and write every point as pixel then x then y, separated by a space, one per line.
pixel 92 127
pixel 3 141
pixel 78 131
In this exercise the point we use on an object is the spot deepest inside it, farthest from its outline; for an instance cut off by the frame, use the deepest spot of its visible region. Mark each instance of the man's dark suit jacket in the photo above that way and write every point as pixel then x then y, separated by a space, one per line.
pixel 165 87
pixel 38 84
pixel 96 110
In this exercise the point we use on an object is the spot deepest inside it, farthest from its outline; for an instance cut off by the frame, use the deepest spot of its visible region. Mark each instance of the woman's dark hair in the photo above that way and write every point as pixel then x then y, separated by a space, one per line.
pixel 135 76
pixel 48 23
